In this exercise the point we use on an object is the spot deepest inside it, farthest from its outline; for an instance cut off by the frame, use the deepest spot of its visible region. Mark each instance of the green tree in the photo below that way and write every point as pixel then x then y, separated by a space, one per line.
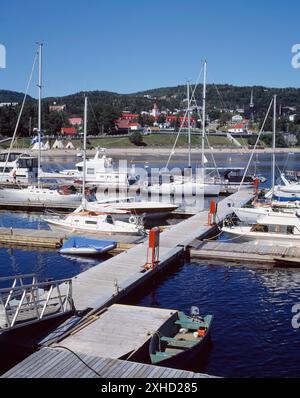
pixel 136 138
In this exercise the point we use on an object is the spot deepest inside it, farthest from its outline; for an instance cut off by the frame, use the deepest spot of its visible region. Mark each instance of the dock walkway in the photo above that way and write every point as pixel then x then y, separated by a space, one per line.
pixel 57 363
pixel 104 284
pixel 117 332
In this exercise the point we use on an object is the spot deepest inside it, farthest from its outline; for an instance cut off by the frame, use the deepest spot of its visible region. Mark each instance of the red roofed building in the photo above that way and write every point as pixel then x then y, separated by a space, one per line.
pixel 75 121
pixel 174 118
pixel 129 116
pixel 237 128
pixel 68 131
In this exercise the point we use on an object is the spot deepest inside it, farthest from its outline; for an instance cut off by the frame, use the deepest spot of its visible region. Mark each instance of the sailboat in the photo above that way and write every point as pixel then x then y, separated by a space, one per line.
pixel 187 185
pixel 273 207
pixel 36 194
pixel 85 220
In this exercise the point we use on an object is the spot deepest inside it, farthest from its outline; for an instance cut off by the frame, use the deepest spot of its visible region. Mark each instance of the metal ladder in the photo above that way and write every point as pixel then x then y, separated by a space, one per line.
pixel 28 301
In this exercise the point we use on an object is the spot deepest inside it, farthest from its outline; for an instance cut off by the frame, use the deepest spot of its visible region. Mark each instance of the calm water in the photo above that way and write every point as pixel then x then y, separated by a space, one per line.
pixel 252 333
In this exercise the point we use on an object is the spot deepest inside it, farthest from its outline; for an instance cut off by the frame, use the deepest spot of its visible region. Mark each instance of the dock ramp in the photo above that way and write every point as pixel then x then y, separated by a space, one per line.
pixel 28 301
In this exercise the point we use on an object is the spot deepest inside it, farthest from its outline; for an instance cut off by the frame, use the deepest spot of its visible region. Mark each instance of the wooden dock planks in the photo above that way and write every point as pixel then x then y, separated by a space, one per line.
pixel 253 252
pixel 59 363
pixel 118 331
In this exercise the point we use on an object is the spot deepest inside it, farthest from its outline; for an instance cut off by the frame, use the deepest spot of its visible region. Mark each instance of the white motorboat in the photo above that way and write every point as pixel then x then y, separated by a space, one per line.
pixel 284 229
pixel 18 167
pixel 38 195
pixel 95 222
pixel 99 171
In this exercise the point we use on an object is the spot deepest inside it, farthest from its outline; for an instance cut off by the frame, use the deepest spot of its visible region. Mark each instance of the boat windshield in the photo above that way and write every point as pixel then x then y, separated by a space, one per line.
pixel 277 229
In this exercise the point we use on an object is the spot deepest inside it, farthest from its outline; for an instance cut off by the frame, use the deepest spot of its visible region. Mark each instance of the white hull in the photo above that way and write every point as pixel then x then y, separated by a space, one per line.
pixel 38 196
pixel 119 227
pixel 187 189
pixel 245 234
pixel 145 209
pixel 251 215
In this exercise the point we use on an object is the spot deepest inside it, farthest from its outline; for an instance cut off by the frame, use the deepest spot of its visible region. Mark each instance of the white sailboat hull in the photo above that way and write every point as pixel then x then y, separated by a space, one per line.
pixel 38 196
pixel 119 227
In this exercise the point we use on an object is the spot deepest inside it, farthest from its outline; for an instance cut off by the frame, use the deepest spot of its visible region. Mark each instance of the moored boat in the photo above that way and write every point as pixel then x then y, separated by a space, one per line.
pixel 283 229
pixel 181 339
pixel 81 246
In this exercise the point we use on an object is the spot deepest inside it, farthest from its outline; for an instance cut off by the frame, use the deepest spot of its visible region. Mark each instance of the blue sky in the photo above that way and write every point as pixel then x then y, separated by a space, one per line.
pixel 131 45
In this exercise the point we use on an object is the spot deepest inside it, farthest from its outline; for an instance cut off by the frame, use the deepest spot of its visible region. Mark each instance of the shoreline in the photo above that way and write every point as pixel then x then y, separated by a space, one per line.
pixel 157 151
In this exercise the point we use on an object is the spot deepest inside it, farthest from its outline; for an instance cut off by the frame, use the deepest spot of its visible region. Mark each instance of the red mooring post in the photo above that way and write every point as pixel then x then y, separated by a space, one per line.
pixel 153 249
pixel 256 185
pixel 212 213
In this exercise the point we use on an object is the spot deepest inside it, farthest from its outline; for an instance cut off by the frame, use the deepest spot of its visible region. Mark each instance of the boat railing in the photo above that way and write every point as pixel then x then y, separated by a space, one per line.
pixel 25 303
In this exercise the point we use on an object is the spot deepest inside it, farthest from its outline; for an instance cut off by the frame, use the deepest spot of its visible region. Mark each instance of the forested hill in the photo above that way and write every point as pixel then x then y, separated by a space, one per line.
pixel 12 96
pixel 218 96
pixel 106 107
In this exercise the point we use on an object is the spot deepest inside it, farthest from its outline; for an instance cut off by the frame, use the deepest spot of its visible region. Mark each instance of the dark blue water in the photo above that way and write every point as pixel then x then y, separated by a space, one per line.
pixel 252 333
pixel 46 264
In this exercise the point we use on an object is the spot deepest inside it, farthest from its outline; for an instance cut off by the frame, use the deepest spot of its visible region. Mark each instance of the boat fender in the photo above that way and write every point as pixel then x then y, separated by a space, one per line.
pixel 132 220
pixel 201 332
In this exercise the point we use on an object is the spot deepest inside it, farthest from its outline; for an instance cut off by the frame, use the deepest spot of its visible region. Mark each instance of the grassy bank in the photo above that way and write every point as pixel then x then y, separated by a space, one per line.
pixel 155 140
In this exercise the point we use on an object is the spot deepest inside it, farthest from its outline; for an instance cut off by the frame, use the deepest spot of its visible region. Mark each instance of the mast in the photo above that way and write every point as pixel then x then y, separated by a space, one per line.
pixel 84 152
pixel 274 144
pixel 203 113
pixel 189 124
pixel 40 109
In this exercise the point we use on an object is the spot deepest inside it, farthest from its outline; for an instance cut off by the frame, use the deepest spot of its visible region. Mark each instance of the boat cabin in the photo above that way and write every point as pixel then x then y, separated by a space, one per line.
pixel 285 226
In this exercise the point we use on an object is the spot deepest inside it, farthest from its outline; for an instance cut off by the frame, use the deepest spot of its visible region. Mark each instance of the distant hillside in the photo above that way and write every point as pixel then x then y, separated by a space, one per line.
pixel 218 96
pixel 105 107
pixel 12 96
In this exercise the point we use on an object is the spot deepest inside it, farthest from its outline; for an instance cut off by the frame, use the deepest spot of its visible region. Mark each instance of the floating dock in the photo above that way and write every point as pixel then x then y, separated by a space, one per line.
pixel 60 363
pixel 256 253
pixel 104 285
pixel 48 239
pixel 118 331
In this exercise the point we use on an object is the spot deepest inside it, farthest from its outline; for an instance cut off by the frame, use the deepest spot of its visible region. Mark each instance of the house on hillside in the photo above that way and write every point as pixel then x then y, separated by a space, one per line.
pixel 57 108
pixel 75 121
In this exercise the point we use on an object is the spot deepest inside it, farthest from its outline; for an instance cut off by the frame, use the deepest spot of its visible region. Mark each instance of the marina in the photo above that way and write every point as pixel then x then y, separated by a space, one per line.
pixel 149 210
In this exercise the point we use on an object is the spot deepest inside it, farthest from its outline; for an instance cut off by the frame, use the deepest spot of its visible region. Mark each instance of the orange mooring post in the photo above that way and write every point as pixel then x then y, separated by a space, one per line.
pixel 153 249
pixel 212 213
pixel 256 185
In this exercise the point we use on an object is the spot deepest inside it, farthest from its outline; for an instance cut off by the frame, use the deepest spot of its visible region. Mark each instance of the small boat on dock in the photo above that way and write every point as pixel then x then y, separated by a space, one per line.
pixel 86 247
pixel 181 339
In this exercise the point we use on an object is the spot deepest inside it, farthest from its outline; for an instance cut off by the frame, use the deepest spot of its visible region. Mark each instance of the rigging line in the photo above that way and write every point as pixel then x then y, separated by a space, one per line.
pixel 222 102
pixel 80 359
pixel 257 141
pixel 211 151
pixel 21 111
pixel 185 115
pixel 176 140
